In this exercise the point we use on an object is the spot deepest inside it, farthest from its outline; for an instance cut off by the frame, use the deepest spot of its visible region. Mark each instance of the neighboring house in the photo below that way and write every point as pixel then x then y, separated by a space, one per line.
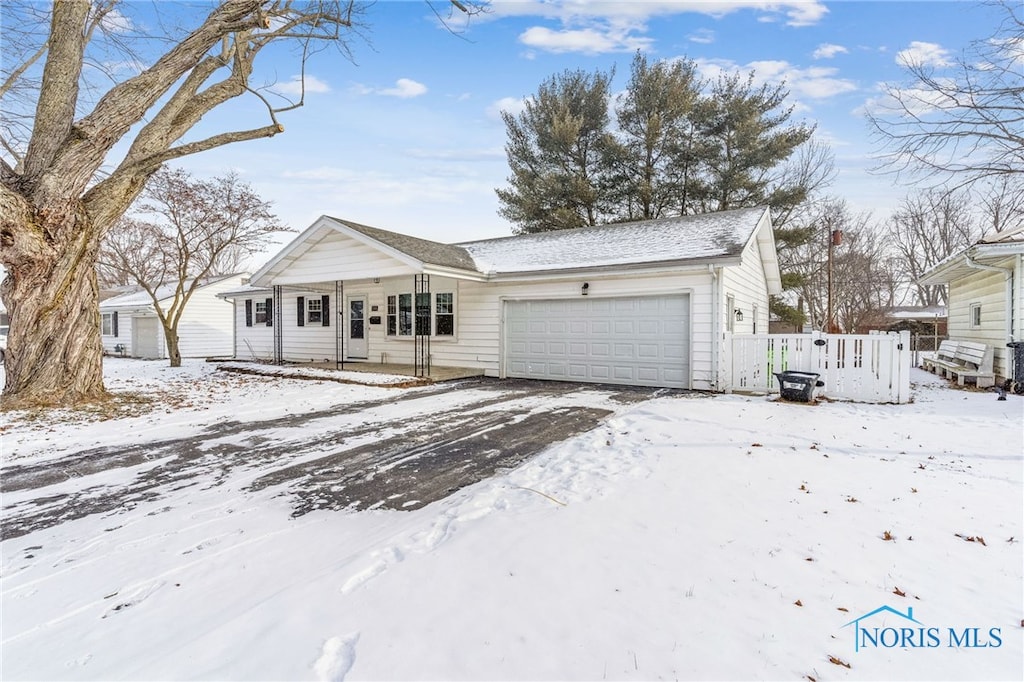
pixel 915 319
pixel 131 327
pixel 646 303
pixel 986 294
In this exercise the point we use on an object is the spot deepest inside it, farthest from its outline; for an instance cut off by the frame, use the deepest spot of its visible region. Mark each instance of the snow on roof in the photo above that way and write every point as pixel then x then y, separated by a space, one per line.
pixel 244 290
pixel 706 236
pixel 142 297
pixel 916 312
pixel 1013 234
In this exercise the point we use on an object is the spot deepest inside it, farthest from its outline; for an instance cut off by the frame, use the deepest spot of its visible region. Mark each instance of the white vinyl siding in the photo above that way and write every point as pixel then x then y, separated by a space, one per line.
pixel 987 290
pixel 124 335
pixel 333 256
pixel 254 341
pixel 747 285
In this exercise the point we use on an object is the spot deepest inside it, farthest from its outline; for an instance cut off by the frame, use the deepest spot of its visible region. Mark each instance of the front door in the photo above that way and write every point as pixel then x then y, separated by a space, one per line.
pixel 356 329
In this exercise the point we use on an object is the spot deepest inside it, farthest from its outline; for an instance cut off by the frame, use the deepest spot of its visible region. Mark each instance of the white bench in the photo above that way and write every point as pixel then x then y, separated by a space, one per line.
pixel 945 355
pixel 963 359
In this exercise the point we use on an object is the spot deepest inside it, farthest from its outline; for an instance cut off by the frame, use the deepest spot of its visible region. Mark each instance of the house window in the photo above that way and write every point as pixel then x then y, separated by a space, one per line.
pixel 445 315
pixel 314 311
pixel 437 320
pixel 109 323
pixel 423 314
pixel 405 314
pixel 975 315
pixel 392 315
pixel 260 312
pixel 730 317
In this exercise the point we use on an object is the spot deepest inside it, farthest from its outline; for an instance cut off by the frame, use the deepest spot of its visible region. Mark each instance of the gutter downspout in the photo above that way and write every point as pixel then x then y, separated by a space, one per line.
pixel 716 334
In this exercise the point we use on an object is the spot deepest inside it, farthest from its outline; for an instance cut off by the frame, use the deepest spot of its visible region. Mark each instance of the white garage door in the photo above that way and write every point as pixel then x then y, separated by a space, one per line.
pixel 640 341
pixel 146 337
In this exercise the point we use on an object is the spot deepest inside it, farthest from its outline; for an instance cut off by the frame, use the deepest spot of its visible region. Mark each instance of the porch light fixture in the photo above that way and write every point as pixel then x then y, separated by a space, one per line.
pixel 739 315
pixel 376 280
pixel 585 289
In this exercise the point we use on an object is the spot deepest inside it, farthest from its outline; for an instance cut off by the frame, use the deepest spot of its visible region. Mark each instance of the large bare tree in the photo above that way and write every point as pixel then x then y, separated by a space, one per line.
pixel 72 164
pixel 925 229
pixel 196 229
pixel 958 121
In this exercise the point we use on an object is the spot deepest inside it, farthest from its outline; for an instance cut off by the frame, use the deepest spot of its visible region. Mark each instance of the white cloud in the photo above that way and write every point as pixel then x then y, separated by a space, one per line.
pixel 588 40
pixel 798 12
pixel 294 86
pixel 601 27
pixel 404 88
pixel 917 102
pixel 512 105
pixel 115 22
pixel 816 82
pixel 923 54
pixel 1011 47
pixel 828 51
pixel 805 13
pixel 703 36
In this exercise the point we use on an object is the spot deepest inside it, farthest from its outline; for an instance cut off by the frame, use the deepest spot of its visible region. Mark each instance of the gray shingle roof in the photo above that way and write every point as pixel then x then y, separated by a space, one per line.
pixel 435 253
pixel 698 237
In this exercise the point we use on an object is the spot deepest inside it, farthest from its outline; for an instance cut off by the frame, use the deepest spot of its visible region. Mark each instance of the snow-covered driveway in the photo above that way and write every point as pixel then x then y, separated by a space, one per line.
pixel 399 451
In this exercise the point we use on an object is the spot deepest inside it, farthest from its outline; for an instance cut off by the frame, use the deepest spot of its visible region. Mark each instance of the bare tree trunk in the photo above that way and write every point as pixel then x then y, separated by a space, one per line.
pixel 55 355
pixel 173 344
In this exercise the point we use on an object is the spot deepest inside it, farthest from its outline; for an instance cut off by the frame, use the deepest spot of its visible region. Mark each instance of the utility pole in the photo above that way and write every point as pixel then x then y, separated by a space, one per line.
pixel 835 238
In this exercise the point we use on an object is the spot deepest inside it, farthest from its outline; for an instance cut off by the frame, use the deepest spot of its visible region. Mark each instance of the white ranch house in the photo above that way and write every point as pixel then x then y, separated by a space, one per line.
pixel 130 326
pixel 646 303
pixel 986 295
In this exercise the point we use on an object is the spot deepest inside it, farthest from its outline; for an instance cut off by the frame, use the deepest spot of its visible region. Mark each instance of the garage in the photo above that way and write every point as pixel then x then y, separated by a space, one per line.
pixel 638 341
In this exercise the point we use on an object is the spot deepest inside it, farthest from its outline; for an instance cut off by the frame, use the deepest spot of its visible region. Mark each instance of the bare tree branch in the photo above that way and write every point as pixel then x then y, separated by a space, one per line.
pixel 961 126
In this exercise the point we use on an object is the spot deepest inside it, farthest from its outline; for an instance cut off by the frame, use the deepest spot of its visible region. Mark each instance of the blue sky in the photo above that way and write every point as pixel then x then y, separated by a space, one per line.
pixel 409 138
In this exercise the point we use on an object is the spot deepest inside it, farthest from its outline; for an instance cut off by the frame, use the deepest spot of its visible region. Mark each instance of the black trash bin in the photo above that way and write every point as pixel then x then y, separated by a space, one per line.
pixel 798 386
pixel 1017 383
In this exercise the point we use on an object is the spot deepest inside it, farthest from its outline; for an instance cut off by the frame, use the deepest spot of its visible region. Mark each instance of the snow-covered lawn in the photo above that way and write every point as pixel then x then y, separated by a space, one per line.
pixel 708 537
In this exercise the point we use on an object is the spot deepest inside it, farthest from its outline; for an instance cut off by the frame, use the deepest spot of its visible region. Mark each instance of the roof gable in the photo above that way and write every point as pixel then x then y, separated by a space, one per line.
pixel 378 253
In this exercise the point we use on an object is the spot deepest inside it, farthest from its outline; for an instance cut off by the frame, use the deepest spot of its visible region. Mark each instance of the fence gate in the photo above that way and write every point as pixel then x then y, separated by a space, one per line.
pixel 871 368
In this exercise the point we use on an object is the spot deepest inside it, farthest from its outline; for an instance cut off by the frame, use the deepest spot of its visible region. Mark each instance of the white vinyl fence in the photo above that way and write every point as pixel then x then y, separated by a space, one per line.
pixel 873 368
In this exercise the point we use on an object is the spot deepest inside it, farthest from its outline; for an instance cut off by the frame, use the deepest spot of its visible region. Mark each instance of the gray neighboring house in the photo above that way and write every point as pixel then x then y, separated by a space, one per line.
pixel 130 326
pixel 986 294
pixel 648 303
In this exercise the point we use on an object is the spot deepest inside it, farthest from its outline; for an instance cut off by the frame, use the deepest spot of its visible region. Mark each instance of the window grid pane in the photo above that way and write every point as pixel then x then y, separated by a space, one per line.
pixel 445 315
pixel 392 316
pixel 405 314
pixel 423 314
